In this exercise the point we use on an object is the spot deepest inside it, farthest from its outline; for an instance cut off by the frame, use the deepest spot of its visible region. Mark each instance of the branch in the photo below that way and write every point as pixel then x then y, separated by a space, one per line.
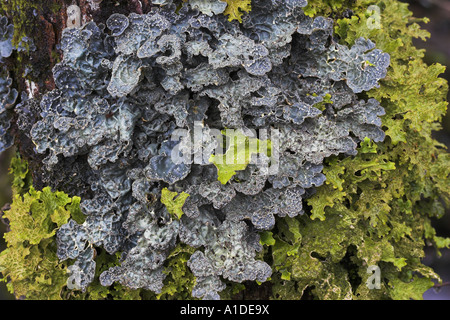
pixel 440 285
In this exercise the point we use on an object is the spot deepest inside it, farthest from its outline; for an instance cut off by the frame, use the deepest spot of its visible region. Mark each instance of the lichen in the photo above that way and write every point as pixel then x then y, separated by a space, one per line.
pixel 354 185
pixel 134 81
pixel 174 206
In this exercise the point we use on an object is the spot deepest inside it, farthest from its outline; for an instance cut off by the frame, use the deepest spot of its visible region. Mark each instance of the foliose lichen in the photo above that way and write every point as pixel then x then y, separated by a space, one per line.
pixel 317 191
pixel 6 37
pixel 8 94
pixel 124 88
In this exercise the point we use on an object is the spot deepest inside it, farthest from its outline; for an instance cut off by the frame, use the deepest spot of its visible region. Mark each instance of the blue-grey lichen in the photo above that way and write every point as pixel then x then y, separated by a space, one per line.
pixel 124 89
pixel 6 36
pixel 8 96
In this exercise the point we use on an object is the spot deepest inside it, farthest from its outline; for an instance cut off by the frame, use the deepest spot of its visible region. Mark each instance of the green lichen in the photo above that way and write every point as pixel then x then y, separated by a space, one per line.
pixel 21 176
pixel 23 15
pixel 180 280
pixel 236 9
pixel 238 155
pixel 327 99
pixel 173 201
pixel 29 264
pixel 326 7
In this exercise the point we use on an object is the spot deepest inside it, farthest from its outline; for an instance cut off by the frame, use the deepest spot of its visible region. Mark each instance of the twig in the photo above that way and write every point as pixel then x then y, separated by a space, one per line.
pixel 440 285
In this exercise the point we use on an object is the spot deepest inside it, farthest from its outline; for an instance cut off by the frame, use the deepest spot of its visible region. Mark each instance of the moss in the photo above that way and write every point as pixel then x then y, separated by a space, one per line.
pixel 21 14
pixel 236 9
pixel 29 264
pixel 375 209
pixel 378 204
pixel 38 21
pixel 329 8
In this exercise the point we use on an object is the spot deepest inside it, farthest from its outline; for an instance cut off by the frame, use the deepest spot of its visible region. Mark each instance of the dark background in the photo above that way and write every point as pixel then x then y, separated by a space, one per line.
pixel 437 50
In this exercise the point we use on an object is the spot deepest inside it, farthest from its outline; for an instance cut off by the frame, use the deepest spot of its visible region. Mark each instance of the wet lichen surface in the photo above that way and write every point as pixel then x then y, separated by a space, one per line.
pixel 124 86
